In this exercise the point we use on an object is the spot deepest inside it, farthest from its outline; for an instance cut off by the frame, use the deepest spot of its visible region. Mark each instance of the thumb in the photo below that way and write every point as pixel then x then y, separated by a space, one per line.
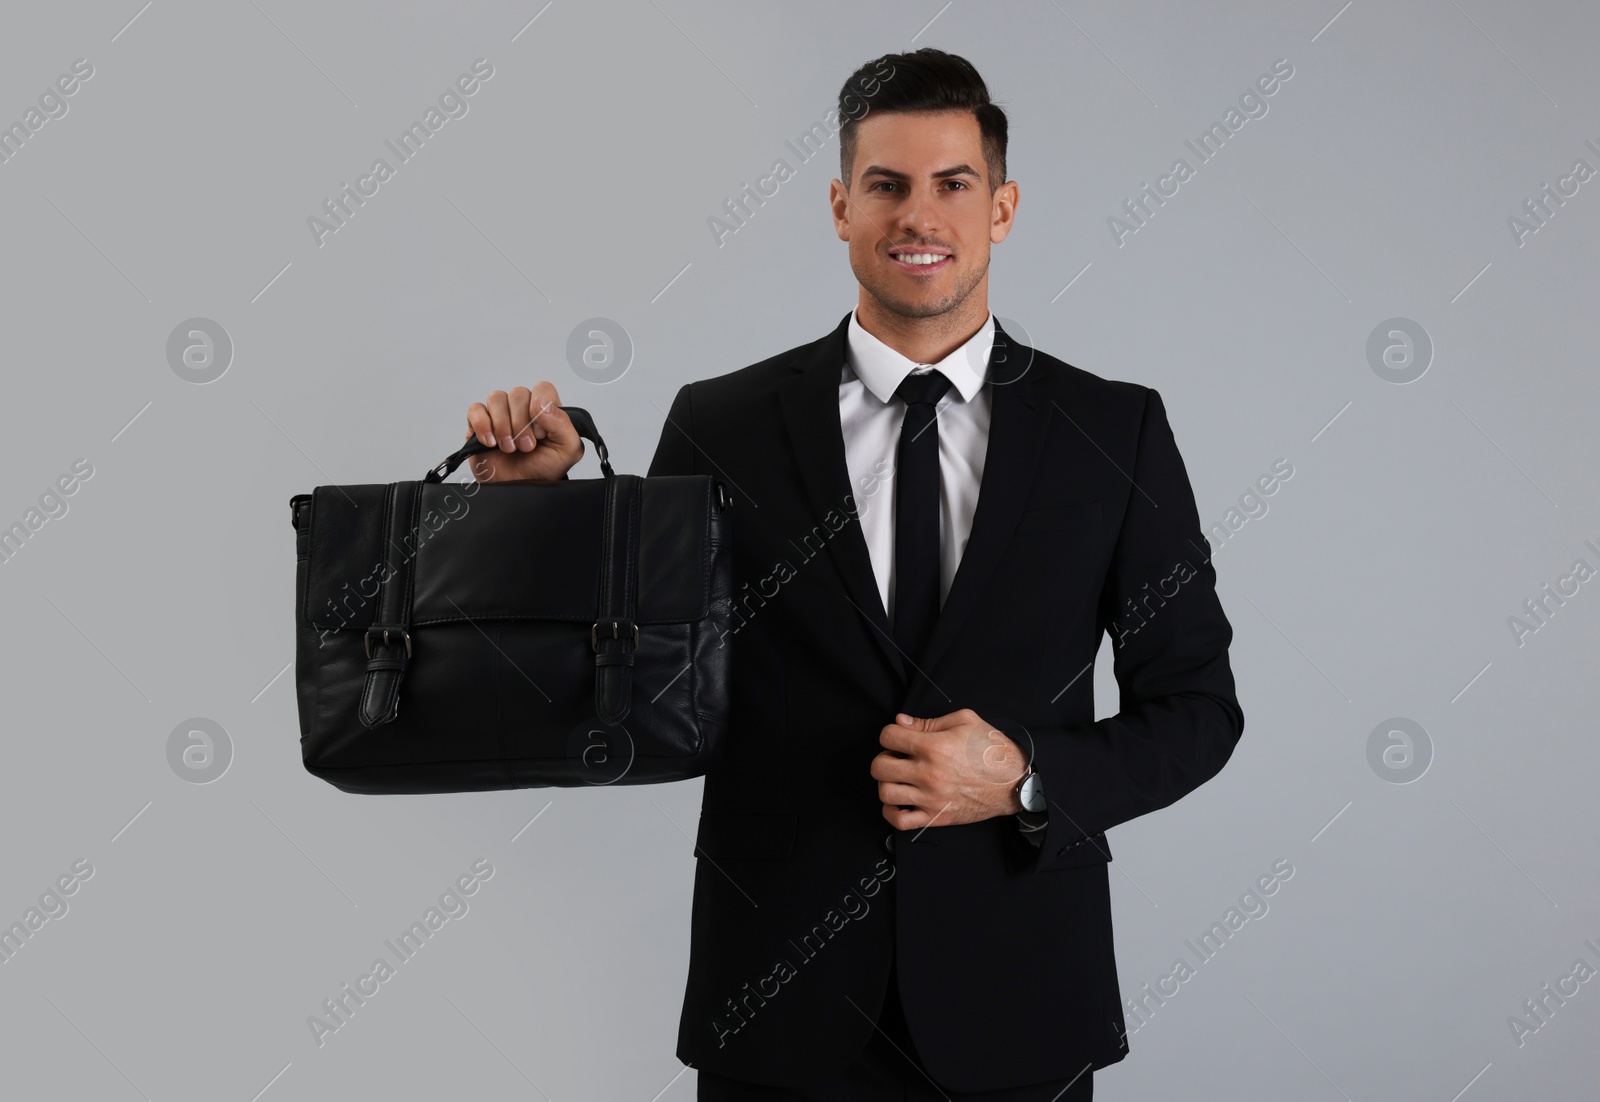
pixel 945 722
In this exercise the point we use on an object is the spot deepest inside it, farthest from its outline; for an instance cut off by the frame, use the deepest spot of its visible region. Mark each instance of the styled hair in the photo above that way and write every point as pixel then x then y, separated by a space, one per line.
pixel 928 80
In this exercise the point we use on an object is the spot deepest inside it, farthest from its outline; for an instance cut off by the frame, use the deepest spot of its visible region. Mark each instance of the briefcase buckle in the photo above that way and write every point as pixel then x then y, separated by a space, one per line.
pixel 403 636
pixel 594 633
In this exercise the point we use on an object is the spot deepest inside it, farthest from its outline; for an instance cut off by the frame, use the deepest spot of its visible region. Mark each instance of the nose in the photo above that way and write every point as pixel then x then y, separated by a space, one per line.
pixel 919 216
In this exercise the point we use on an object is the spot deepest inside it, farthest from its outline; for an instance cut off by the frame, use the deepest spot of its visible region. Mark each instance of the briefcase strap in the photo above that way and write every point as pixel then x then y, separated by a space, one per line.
pixel 388 640
pixel 615 635
pixel 581 421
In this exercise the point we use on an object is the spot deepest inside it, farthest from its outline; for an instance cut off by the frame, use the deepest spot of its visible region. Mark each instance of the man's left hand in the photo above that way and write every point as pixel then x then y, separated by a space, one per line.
pixel 945 771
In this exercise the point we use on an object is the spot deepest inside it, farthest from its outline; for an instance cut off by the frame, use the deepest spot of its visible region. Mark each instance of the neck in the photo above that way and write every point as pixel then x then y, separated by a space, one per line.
pixel 923 340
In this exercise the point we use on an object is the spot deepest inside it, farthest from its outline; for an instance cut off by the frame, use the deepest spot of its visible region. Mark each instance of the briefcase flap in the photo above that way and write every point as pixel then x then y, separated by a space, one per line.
pixel 516 551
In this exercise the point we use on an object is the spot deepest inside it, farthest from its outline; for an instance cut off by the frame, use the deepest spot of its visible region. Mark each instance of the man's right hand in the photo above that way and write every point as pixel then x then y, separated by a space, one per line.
pixel 532 436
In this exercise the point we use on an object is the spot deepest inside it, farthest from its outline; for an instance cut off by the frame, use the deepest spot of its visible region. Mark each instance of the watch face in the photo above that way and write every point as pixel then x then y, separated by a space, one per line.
pixel 1032 793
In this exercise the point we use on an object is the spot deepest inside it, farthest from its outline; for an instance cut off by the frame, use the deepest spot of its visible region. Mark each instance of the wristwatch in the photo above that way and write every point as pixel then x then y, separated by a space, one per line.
pixel 1030 790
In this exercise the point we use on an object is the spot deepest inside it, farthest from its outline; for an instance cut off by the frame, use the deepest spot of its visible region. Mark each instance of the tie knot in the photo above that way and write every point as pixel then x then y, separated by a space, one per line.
pixel 922 389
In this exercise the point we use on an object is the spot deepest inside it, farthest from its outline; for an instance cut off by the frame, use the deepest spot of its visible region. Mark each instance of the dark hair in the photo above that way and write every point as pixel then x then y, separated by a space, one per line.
pixel 928 80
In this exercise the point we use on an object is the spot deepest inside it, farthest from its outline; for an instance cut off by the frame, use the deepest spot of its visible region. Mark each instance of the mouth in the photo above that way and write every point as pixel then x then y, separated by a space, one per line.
pixel 924 262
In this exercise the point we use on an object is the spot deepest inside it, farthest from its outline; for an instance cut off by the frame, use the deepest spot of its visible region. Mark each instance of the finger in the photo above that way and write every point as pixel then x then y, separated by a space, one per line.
pixel 895 737
pixel 887 767
pixel 902 818
pixel 900 795
pixel 550 421
pixel 948 722
pixel 500 420
pixel 518 402
pixel 480 425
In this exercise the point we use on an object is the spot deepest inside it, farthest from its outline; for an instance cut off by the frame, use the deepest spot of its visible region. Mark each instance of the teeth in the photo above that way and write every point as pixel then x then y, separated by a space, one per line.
pixel 920 258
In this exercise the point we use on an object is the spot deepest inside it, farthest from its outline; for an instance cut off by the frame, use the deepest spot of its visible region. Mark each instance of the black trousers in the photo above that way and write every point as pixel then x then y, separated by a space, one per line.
pixel 889 1070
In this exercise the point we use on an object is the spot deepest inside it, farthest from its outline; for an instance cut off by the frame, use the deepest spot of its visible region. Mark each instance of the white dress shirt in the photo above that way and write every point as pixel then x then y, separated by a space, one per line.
pixel 870 415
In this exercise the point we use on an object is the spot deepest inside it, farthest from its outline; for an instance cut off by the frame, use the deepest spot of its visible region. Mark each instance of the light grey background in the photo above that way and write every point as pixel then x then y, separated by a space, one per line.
pixel 1377 584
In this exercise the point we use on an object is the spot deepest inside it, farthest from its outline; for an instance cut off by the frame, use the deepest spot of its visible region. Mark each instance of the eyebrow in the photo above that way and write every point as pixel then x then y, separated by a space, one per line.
pixel 958 170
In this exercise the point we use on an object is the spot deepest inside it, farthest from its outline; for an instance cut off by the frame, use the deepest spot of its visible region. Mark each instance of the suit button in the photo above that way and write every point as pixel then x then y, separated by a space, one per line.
pixel 888 844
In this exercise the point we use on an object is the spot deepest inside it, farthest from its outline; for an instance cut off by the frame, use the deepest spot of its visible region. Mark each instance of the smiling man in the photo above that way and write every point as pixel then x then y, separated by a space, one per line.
pixel 901 888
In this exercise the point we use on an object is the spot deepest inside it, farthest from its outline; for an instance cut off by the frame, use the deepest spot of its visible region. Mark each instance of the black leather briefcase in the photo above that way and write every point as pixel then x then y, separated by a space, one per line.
pixel 455 637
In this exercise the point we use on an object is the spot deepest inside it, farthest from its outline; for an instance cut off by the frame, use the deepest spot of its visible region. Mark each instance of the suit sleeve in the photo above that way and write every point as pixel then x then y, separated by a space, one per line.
pixel 675 450
pixel 1179 718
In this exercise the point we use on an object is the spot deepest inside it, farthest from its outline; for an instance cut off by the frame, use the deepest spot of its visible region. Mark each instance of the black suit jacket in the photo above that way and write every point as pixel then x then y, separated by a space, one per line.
pixel 1085 524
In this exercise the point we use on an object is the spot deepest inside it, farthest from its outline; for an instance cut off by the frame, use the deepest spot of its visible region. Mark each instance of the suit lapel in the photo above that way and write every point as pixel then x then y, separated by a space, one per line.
pixel 1017 422
pixel 810 401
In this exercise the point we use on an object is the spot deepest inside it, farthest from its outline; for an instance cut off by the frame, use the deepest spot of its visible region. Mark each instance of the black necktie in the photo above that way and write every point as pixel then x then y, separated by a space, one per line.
pixel 916 513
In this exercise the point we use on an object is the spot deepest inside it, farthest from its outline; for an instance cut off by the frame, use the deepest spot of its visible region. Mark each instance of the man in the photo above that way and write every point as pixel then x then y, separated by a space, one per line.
pixel 877 914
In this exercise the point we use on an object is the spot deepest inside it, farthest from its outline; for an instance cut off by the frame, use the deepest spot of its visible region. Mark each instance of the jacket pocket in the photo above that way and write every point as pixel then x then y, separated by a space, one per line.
pixel 1093 850
pixel 745 835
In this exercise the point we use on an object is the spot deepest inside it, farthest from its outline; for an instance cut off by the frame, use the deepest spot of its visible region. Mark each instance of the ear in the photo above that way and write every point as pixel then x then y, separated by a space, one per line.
pixel 839 206
pixel 1003 212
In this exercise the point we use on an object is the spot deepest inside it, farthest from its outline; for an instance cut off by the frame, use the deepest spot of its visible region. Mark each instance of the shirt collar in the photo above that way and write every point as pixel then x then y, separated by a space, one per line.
pixel 882 369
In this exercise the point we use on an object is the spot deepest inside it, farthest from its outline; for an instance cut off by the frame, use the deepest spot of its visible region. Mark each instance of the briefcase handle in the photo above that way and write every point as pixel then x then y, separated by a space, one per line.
pixel 580 420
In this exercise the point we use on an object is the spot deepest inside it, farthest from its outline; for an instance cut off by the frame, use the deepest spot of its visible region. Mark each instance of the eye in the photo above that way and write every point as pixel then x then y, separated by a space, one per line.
pixel 958 183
